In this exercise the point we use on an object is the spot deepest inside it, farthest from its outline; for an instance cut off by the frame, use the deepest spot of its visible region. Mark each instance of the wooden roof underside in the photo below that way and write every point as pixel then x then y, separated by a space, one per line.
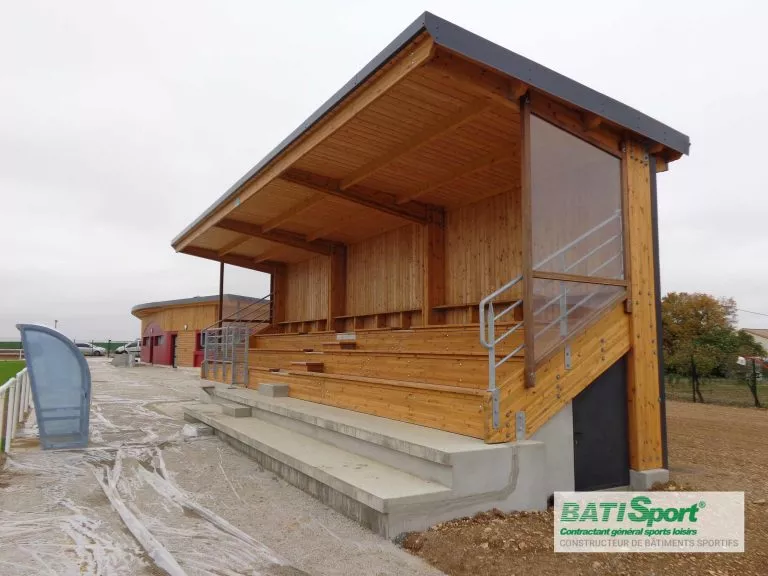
pixel 427 132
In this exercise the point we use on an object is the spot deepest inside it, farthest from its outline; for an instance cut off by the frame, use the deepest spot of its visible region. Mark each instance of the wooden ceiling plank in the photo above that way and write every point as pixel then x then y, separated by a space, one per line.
pixel 477 80
pixel 326 128
pixel 499 155
pixel 268 254
pixel 374 199
pixel 276 235
pixel 233 259
pixel 452 122
pixel 230 246
pixel 292 212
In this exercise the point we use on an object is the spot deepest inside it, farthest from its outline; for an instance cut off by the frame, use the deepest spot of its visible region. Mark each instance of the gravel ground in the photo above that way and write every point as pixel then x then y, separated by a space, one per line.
pixel 209 509
pixel 710 448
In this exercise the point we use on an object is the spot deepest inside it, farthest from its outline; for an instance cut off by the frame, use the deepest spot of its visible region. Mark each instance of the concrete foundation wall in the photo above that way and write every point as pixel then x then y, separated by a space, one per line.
pixel 557 436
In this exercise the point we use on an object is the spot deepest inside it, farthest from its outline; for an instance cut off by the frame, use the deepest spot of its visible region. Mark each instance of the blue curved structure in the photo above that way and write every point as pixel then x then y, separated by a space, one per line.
pixel 61 386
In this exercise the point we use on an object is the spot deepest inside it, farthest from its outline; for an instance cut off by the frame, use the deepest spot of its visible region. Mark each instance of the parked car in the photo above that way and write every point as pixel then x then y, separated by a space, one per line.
pixel 90 349
pixel 131 347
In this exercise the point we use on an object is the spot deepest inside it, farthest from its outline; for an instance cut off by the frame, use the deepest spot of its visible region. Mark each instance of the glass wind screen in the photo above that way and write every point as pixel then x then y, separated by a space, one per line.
pixel 575 205
pixel 560 308
pixel 61 384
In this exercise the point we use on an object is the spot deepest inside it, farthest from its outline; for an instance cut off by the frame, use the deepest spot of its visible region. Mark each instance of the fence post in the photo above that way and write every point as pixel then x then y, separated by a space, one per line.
pixel 4 405
pixel 11 414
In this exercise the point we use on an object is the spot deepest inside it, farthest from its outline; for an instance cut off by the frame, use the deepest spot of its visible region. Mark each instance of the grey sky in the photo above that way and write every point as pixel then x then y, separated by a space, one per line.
pixel 121 121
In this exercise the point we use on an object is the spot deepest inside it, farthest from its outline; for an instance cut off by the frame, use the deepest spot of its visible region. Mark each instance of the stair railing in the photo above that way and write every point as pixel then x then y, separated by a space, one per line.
pixel 488 317
pixel 226 341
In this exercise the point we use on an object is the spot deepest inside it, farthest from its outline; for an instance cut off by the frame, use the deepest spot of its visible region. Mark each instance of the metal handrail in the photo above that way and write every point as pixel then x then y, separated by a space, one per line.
pixel 581 238
pixel 488 317
pixel 264 301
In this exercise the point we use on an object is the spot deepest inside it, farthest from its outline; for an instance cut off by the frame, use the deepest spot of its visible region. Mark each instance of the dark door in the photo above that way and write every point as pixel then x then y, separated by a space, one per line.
pixel 600 443
pixel 173 350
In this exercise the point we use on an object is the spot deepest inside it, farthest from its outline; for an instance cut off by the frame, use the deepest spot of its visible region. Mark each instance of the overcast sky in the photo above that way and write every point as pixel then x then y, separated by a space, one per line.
pixel 121 121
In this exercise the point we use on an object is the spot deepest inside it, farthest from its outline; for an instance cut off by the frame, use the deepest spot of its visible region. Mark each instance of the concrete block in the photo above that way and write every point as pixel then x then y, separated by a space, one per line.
pixel 645 479
pixel 273 390
pixel 236 410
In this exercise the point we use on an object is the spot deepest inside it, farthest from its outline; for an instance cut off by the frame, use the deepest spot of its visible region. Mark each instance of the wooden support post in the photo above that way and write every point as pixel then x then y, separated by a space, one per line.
pixel 278 289
pixel 527 239
pixel 337 285
pixel 433 239
pixel 643 401
pixel 221 291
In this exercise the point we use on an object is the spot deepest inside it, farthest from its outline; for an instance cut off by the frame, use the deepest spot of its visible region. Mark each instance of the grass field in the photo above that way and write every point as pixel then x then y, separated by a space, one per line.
pixel 9 369
pixel 108 345
pixel 718 391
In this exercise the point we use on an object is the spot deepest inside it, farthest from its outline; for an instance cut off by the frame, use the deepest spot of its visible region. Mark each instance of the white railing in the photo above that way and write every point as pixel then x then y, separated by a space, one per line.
pixel 15 404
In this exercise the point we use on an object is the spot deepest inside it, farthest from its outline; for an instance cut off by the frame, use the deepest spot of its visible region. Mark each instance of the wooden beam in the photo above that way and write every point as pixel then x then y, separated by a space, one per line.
pixel 643 402
pixel 433 281
pixel 337 285
pixel 277 236
pixel 234 259
pixel 655 148
pixel 591 121
pixel 502 154
pixel 230 246
pixel 447 124
pixel 374 199
pixel 366 95
pixel 578 278
pixel 292 212
pixel 661 164
pixel 476 79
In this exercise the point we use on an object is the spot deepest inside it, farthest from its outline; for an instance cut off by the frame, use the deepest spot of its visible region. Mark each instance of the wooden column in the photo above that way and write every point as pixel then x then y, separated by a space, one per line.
pixel 433 259
pixel 337 285
pixel 527 239
pixel 221 291
pixel 278 291
pixel 643 402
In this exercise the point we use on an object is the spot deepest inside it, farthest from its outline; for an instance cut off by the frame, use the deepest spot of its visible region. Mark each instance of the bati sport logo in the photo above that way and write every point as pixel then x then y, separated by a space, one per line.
pixel 640 511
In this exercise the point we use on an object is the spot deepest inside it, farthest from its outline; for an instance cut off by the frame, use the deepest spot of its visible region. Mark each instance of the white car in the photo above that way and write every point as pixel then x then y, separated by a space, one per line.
pixel 131 347
pixel 90 349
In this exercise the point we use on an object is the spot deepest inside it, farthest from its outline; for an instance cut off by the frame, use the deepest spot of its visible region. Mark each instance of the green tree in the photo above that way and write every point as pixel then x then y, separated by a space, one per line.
pixel 703 327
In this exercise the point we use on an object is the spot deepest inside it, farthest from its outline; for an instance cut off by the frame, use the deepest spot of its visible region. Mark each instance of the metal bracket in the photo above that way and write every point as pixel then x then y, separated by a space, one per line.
pixel 568 356
pixel 495 407
pixel 520 426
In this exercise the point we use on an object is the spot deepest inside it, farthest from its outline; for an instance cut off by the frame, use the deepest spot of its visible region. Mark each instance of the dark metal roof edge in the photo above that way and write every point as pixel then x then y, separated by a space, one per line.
pixel 492 55
pixel 416 27
pixel 192 300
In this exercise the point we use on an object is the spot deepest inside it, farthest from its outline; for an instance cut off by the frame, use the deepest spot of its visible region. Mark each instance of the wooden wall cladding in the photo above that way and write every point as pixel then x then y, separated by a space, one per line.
pixel 384 273
pixel 185 348
pixel 483 248
pixel 173 319
pixel 306 286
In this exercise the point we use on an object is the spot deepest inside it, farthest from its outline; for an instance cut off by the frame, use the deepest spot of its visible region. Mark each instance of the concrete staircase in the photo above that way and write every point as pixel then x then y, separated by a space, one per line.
pixel 389 476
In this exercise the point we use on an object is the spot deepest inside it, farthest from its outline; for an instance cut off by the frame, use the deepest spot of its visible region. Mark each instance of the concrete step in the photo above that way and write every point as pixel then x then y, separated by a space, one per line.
pixel 367 490
pixel 390 476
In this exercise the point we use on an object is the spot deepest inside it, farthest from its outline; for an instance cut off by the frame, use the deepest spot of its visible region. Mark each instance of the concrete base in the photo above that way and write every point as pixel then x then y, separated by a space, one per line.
pixel 274 390
pixel 390 476
pixel 645 479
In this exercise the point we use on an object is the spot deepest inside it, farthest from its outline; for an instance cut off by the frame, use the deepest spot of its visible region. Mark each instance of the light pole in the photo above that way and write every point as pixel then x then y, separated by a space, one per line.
pixel 55 324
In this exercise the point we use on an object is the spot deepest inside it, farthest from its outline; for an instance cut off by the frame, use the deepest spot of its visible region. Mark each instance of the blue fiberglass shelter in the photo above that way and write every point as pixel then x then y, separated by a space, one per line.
pixel 61 386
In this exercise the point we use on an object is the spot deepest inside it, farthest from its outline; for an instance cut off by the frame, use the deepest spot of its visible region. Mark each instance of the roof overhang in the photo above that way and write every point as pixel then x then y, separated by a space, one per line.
pixel 453 40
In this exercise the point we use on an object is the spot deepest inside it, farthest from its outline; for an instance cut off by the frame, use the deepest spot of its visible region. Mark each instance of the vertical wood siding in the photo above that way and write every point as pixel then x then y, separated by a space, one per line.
pixel 483 247
pixel 384 273
pixel 306 287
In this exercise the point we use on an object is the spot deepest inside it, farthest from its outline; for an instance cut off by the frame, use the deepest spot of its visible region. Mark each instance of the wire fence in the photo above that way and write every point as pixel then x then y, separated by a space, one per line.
pixel 747 387
pixel 10 350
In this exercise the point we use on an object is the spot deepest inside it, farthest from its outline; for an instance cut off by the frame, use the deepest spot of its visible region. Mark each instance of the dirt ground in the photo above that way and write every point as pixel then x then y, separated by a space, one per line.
pixel 710 448
pixel 211 509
